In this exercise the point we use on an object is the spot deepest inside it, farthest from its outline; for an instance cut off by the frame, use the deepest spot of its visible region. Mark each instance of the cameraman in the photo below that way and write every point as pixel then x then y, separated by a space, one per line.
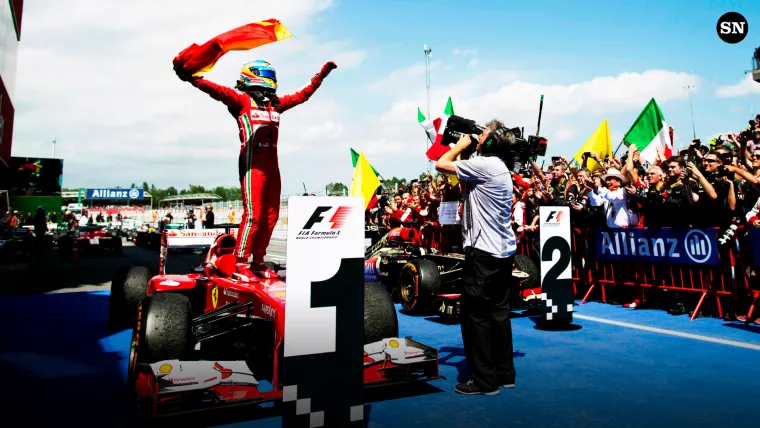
pixel 490 248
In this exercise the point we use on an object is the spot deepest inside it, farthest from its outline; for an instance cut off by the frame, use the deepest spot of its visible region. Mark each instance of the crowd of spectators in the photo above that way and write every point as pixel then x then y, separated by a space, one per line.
pixel 701 186
pixel 715 185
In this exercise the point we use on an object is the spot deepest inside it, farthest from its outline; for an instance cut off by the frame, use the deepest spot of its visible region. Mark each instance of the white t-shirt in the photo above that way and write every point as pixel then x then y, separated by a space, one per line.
pixel 487 214
pixel 616 209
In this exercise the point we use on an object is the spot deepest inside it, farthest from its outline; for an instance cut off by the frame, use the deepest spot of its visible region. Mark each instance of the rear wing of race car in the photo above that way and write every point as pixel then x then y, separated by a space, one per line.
pixel 196 238
pixel 185 238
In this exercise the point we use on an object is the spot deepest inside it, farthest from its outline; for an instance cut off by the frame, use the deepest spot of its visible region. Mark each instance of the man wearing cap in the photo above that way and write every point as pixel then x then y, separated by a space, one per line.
pixel 614 198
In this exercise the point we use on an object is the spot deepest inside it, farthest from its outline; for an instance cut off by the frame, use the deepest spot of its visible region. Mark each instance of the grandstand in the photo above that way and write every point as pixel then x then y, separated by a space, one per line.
pixel 189 200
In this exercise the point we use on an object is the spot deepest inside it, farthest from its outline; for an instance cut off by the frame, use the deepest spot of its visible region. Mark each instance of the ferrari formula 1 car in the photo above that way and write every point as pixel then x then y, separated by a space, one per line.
pixel 211 338
pixel 424 279
pixel 89 240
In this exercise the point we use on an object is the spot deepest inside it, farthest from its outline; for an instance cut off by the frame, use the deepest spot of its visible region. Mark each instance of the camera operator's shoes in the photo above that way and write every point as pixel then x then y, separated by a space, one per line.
pixel 507 382
pixel 263 271
pixel 469 388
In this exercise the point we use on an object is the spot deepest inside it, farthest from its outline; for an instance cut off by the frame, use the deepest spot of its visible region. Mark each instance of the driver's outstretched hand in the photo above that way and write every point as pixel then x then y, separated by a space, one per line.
pixel 328 67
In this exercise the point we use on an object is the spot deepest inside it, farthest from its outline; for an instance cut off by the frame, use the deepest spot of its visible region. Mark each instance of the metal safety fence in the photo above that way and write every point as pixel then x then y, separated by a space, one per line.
pixel 726 282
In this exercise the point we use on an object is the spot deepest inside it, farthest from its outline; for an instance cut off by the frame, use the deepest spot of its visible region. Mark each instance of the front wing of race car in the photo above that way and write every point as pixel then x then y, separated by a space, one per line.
pixel 172 387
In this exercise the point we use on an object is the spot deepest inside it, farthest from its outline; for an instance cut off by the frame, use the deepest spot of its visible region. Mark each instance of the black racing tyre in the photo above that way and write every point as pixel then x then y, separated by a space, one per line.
pixel 127 291
pixel 163 331
pixel 419 283
pixel 380 320
pixel 526 264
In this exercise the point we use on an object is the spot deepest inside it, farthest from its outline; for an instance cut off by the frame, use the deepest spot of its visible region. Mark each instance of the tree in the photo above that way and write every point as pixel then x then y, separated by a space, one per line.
pixel 145 186
pixel 133 186
pixel 336 189
pixel 194 188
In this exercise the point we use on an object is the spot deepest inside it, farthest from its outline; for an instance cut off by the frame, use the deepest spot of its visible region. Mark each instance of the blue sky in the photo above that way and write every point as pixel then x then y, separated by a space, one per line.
pixel 122 116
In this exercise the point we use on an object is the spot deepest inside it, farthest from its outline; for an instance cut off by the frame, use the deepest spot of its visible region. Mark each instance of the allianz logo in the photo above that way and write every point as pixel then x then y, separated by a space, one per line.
pixel 696 245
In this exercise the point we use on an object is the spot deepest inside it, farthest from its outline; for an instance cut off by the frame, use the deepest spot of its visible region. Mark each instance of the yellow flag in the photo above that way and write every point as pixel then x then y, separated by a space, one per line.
pixel 365 181
pixel 453 179
pixel 599 142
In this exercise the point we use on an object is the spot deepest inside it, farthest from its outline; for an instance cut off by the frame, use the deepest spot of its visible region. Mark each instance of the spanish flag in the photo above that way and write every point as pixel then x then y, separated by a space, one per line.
pixel 201 59
pixel 365 182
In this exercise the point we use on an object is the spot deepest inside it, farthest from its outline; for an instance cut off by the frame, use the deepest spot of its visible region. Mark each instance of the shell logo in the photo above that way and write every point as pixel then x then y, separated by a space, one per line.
pixel 393 343
pixel 165 368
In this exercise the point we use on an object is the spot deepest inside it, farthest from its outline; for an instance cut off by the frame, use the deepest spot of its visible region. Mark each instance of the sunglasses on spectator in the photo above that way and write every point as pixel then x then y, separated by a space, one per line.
pixel 710 160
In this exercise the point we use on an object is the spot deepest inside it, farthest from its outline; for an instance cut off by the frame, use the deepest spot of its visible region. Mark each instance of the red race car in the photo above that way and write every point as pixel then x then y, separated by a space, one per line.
pixel 89 240
pixel 208 338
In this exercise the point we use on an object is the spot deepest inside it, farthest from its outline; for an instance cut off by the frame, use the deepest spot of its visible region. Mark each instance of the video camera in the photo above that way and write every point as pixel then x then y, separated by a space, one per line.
pixel 522 151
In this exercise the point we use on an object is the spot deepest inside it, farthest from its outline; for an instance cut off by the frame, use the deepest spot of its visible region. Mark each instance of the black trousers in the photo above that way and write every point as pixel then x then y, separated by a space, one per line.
pixel 486 327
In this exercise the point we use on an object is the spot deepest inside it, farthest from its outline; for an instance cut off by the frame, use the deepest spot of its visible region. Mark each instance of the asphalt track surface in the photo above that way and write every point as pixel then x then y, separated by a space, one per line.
pixel 621 368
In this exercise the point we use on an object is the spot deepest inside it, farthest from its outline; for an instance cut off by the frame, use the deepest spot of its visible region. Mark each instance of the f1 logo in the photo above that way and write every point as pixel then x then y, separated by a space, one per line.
pixel 337 219
pixel 552 216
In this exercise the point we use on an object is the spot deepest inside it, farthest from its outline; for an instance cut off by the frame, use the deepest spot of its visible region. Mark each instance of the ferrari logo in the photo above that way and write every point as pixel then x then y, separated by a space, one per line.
pixel 214 296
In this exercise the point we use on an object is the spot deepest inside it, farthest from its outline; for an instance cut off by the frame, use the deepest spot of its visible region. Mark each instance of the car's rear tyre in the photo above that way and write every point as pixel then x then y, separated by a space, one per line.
pixel 380 319
pixel 418 285
pixel 163 331
pixel 127 291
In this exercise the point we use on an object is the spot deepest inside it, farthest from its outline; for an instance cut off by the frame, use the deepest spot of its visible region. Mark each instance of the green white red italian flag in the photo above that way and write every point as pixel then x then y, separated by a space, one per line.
pixel 435 129
pixel 650 132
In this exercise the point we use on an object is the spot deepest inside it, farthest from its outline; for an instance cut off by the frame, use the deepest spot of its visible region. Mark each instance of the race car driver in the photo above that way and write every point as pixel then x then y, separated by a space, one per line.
pixel 256 108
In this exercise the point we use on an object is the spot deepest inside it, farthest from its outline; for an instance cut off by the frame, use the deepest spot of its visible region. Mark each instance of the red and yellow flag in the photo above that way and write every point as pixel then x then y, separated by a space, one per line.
pixel 201 59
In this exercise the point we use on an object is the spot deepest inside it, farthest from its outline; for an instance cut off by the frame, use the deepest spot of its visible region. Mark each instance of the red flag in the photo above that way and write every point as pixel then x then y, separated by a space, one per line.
pixel 372 202
pixel 201 59
pixel 668 150
pixel 437 149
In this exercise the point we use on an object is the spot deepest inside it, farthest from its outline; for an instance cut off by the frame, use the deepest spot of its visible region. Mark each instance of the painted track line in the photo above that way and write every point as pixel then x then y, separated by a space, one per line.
pixel 671 332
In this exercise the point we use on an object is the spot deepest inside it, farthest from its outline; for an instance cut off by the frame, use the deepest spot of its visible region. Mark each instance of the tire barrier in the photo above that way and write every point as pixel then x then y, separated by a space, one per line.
pixel 723 280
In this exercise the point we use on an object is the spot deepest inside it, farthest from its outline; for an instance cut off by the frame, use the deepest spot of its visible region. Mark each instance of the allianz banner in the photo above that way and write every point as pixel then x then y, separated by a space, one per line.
pixel 665 245
pixel 114 194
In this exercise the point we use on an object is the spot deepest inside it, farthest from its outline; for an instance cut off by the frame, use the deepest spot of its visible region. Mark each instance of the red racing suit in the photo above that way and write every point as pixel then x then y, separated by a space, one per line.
pixel 258 167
